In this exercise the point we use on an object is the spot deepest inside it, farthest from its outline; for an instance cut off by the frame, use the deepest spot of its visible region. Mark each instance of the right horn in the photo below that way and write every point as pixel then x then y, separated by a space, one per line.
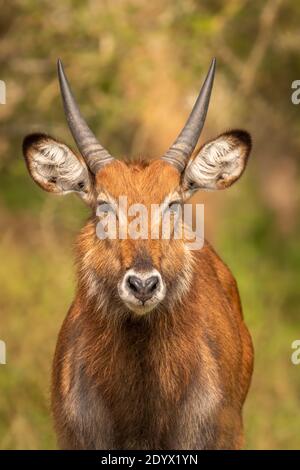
pixel 183 147
pixel 94 154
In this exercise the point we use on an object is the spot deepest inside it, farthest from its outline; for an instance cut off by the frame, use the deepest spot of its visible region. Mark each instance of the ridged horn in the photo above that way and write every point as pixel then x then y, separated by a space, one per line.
pixel 186 141
pixel 92 151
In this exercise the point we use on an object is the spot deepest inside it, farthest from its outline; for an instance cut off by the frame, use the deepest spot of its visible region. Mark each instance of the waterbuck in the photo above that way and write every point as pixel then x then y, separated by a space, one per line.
pixel 154 352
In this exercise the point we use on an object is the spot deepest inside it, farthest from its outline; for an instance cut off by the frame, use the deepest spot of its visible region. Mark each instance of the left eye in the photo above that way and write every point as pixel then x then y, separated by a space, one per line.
pixel 104 208
pixel 174 207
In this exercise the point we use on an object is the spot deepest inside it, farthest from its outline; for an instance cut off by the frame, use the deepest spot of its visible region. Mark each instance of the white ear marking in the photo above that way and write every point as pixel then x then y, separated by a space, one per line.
pixel 218 163
pixel 55 167
pixel 58 165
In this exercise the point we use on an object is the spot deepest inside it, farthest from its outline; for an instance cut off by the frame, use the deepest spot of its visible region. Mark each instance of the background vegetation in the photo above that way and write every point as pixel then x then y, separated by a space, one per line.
pixel 136 67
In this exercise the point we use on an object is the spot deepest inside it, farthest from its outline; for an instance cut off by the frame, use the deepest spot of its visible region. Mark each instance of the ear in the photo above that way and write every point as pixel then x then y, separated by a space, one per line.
pixel 55 168
pixel 219 163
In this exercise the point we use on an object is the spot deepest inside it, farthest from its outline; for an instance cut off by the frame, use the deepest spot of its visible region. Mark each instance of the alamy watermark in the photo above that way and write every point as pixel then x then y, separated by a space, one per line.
pixel 295 97
pixel 295 357
pixel 2 343
pixel 2 92
pixel 165 221
pixel 2 352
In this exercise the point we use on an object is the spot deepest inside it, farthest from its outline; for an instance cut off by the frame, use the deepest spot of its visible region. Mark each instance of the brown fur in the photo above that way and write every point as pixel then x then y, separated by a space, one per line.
pixel 174 378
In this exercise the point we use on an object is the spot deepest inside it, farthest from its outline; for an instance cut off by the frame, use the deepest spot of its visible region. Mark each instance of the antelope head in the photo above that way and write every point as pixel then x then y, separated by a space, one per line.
pixel 138 274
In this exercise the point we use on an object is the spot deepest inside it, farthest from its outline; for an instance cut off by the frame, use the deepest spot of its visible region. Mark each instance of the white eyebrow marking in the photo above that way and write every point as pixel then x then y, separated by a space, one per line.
pixel 171 197
pixel 103 196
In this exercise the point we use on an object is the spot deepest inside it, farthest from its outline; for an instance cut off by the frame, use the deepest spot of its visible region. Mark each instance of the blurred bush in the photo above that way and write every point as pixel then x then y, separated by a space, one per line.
pixel 136 67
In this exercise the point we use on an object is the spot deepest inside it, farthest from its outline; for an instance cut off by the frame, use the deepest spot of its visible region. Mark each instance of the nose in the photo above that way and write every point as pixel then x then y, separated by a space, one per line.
pixel 143 289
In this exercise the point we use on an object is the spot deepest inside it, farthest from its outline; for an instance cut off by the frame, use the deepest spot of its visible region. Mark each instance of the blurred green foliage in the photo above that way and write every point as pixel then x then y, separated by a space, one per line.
pixel 135 67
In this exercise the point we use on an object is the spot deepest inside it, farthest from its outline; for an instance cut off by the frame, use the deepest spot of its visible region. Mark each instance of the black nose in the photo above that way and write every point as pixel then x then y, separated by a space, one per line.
pixel 143 289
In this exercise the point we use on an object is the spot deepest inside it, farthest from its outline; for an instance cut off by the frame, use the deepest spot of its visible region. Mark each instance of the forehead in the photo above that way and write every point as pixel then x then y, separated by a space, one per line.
pixel 140 182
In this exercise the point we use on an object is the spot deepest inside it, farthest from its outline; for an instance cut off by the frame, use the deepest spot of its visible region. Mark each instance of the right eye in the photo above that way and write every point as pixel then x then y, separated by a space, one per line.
pixel 174 207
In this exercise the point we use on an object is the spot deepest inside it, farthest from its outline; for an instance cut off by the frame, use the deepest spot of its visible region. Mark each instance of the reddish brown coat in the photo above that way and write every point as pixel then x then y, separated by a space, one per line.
pixel 175 378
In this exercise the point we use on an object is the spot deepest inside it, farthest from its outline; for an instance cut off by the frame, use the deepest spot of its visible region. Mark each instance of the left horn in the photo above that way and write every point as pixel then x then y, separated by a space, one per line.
pixel 184 145
pixel 94 154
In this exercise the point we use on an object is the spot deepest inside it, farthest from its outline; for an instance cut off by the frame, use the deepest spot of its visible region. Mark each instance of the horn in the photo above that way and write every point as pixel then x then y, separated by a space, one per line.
pixel 184 145
pixel 94 154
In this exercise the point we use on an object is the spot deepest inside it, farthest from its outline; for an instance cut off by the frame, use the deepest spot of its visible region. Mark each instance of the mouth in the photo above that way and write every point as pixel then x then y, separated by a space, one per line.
pixel 141 308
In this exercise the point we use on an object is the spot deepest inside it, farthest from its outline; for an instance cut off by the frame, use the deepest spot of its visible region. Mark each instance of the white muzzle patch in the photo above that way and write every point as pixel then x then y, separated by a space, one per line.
pixel 142 291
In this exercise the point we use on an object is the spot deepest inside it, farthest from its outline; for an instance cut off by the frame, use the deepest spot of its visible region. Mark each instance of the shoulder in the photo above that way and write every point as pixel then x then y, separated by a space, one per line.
pixel 213 268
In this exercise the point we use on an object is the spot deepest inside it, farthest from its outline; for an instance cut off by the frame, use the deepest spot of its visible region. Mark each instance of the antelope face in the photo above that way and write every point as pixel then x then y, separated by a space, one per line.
pixel 146 267
pixel 137 270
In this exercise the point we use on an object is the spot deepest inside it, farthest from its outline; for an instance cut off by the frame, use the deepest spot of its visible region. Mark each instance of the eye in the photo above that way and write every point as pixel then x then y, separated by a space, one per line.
pixel 174 207
pixel 104 208
pixel 192 185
